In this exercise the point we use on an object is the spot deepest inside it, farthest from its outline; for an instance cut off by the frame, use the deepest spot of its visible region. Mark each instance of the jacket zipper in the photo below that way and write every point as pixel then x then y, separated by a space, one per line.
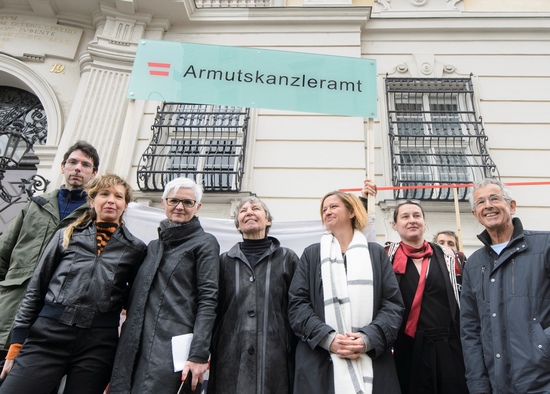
pixel 513 278
pixel 483 282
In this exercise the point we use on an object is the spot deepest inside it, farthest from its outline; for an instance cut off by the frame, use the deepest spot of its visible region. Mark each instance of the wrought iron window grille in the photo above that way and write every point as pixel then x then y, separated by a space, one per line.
pixel 436 137
pixel 23 124
pixel 23 112
pixel 203 142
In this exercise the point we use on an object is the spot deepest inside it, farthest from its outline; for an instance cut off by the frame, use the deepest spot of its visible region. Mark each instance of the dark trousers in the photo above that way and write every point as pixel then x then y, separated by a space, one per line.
pixel 431 363
pixel 53 349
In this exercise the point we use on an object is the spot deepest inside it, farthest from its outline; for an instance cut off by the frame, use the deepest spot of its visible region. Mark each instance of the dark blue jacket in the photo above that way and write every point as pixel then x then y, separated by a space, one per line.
pixel 505 315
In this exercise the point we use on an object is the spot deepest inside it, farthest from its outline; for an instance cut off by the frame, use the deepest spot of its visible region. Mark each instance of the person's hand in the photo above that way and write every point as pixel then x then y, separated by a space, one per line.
pixel 197 372
pixel 349 346
pixel 353 345
pixel 369 188
pixel 8 364
pixel 336 346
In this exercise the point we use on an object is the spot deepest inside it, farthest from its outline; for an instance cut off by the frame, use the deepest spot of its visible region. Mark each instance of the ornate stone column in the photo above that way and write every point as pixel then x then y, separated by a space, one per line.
pixel 99 109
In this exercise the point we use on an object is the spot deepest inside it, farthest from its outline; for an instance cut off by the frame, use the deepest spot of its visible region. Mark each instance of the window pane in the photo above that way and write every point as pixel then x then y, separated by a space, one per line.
pixel 409 114
pixel 444 114
pixel 415 171
pixel 182 160
pixel 219 166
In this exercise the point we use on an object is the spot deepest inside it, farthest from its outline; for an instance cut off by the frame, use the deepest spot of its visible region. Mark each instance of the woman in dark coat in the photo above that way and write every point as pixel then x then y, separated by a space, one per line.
pixel 345 306
pixel 175 293
pixel 68 321
pixel 428 352
pixel 252 348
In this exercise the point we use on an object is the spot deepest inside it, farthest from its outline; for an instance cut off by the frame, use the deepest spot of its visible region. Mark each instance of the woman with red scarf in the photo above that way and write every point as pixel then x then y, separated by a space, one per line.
pixel 428 353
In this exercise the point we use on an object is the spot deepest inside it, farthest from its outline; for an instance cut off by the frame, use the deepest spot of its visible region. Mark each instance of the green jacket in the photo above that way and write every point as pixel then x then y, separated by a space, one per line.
pixel 20 248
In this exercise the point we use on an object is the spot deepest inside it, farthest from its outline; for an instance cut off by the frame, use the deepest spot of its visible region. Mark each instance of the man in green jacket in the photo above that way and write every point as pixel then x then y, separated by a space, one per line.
pixel 21 245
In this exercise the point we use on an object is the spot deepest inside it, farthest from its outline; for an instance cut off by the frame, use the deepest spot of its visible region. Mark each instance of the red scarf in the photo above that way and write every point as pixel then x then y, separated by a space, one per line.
pixel 400 259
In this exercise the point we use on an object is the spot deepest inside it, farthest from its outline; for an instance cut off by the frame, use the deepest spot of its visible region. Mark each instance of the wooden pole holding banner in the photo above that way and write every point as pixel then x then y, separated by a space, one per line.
pixel 369 161
pixel 457 214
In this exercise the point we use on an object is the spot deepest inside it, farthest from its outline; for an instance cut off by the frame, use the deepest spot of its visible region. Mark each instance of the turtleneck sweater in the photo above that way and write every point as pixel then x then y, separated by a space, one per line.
pixel 253 249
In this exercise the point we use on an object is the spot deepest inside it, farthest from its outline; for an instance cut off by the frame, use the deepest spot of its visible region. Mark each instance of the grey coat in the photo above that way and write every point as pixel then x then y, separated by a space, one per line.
pixel 505 315
pixel 314 372
pixel 175 293
pixel 252 348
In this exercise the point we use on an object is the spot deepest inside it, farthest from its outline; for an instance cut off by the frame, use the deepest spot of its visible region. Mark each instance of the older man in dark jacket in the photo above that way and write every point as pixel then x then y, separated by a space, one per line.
pixel 175 293
pixel 505 303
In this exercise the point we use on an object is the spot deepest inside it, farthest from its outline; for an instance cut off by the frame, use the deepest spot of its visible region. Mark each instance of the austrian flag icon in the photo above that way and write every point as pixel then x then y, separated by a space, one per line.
pixel 159 69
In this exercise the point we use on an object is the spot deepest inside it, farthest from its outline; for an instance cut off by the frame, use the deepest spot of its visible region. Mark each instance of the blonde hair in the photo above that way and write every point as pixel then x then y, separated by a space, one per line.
pixel 354 205
pixel 93 188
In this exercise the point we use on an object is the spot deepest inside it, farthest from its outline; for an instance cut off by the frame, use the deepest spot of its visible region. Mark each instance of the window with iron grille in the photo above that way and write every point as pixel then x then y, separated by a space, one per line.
pixel 436 137
pixel 203 142
pixel 20 112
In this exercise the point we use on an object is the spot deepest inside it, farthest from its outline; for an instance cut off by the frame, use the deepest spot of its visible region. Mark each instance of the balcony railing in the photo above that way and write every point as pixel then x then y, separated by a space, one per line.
pixel 203 142
pixel 232 3
pixel 436 137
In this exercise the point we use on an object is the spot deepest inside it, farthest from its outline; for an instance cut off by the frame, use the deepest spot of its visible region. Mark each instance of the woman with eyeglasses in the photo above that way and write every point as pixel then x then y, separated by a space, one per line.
pixel 67 323
pixel 175 293
pixel 345 307
pixel 428 352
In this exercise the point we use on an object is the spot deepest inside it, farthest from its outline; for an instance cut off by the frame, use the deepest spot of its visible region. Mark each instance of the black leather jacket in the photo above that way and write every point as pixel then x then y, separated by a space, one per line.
pixel 76 286
pixel 175 293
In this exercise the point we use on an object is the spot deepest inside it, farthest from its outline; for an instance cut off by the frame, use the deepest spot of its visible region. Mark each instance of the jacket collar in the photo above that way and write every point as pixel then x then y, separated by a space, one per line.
pixel 75 195
pixel 171 233
pixel 121 229
pixel 517 234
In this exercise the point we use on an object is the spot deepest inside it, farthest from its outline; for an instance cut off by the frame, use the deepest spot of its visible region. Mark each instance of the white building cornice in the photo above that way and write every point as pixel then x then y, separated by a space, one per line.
pixel 309 15
pixel 506 25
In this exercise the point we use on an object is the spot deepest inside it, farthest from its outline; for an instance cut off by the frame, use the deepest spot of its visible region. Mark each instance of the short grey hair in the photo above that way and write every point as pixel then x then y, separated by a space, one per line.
pixel 490 181
pixel 251 200
pixel 182 183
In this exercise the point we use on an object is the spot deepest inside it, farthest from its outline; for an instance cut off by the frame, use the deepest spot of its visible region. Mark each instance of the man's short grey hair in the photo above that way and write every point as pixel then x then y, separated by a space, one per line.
pixel 251 200
pixel 182 183
pixel 490 181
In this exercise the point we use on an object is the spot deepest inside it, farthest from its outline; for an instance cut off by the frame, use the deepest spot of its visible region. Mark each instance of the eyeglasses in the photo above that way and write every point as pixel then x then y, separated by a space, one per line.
pixel 72 163
pixel 187 203
pixel 493 199
pixel 407 201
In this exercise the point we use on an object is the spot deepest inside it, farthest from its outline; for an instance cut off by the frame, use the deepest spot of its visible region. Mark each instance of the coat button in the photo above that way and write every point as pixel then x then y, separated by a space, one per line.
pixel 251 313
pixel 251 279
pixel 497 355
pixel 251 350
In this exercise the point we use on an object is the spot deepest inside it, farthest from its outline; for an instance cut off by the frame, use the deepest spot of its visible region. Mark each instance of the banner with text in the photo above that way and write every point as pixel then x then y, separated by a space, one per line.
pixel 258 78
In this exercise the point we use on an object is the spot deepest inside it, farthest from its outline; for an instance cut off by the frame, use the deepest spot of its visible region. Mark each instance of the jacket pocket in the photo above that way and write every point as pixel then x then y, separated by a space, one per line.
pixel 541 338
pixel 15 281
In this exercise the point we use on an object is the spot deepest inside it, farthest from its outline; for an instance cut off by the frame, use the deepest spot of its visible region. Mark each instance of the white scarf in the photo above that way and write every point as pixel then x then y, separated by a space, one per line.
pixel 349 302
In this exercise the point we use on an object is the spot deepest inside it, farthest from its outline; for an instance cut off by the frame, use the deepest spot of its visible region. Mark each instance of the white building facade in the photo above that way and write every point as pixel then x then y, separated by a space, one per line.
pixel 463 92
